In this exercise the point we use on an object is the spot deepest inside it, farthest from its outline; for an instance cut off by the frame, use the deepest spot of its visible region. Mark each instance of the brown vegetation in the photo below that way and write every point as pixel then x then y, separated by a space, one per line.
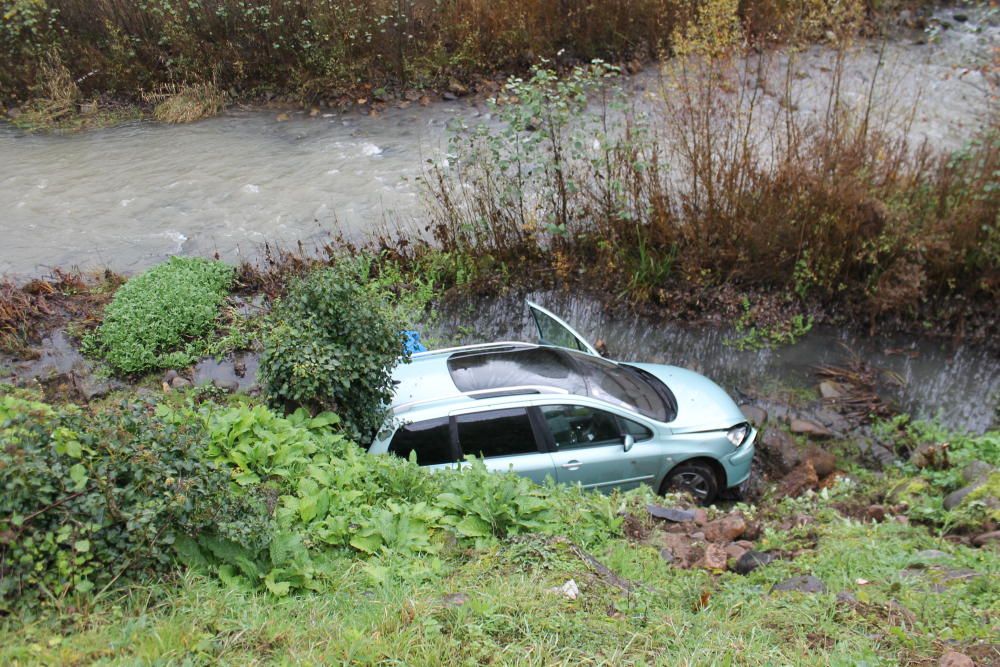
pixel 188 103
pixel 313 49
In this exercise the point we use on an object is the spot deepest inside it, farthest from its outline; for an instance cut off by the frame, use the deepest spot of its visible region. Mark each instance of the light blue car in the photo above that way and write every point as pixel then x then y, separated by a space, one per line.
pixel 558 409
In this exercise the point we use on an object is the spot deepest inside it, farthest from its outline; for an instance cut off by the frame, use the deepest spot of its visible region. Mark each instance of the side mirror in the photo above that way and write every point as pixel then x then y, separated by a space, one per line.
pixel 628 441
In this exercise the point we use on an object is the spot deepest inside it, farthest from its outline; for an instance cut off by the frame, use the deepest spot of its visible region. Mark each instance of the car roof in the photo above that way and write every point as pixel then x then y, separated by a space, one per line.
pixel 425 386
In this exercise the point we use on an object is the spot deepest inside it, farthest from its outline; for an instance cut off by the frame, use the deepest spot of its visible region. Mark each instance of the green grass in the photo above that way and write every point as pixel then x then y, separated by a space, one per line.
pixel 689 618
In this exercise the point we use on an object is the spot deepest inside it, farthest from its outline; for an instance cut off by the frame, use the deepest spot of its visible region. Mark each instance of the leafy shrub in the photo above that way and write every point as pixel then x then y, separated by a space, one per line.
pixel 89 498
pixel 332 495
pixel 331 346
pixel 160 318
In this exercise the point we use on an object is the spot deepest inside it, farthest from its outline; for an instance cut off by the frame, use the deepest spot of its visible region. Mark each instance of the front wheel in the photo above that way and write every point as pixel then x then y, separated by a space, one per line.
pixel 695 478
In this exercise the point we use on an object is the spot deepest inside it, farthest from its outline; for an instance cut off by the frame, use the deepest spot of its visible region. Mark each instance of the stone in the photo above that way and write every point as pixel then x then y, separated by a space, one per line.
pixel 993 537
pixel 831 390
pixel 960 18
pixel 875 513
pixel 930 455
pixel 832 420
pixel 669 513
pixel 725 529
pixel 715 558
pixel 667 555
pixel 13 113
pixel 698 536
pixel 455 86
pixel 975 471
pixel 751 560
pixel 700 516
pixel 929 554
pixel 734 552
pixel 455 599
pixel 169 375
pixel 449 96
pixel 746 545
pixel 569 590
pixel 800 480
pixel 180 383
pixel 955 659
pixel 754 414
pixel 411 95
pixel 91 387
pixel 846 597
pixel 282 117
pixel 803 584
pixel 955 498
pixel 314 112
pixel 809 428
pixel 679 547
pixel 780 450
pixel 229 386
pixel 823 461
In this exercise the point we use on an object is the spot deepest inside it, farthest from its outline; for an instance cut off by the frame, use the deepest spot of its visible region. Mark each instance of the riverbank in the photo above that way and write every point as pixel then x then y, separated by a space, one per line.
pixel 69 60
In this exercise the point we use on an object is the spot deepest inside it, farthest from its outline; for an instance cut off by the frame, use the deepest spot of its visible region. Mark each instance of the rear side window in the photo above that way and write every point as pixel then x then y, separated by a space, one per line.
pixel 496 433
pixel 429 439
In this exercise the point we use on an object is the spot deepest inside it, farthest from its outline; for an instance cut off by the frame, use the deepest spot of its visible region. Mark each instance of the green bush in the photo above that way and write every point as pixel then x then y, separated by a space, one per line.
pixel 86 499
pixel 160 319
pixel 331 346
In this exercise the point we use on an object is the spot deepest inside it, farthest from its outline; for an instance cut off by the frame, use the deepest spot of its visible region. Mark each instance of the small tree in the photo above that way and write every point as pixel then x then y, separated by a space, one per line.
pixel 331 346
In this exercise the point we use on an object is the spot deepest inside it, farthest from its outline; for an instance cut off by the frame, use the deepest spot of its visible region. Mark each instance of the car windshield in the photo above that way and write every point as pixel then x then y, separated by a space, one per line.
pixel 577 373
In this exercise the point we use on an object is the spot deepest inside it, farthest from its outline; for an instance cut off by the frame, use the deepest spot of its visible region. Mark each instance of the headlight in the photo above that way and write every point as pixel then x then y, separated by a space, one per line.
pixel 738 434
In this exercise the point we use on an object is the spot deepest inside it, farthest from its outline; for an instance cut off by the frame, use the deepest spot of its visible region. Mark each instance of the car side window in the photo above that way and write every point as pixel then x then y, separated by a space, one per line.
pixel 430 439
pixel 635 429
pixel 576 426
pixel 496 433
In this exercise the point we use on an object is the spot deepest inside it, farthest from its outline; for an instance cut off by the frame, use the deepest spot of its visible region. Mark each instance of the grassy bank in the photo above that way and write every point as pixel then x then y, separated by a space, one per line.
pixel 506 615
pixel 201 54
pixel 397 565
pixel 162 522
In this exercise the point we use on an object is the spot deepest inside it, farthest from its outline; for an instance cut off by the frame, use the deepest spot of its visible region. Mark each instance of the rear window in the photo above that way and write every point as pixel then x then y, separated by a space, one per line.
pixel 580 374
pixel 539 366
pixel 430 439
pixel 496 433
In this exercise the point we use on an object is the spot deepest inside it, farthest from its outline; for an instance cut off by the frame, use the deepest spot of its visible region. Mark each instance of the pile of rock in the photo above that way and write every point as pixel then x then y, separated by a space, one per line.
pixel 687 538
pixel 798 468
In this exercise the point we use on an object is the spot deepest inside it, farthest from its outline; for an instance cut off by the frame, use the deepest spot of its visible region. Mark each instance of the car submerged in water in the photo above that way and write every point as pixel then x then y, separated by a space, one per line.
pixel 559 409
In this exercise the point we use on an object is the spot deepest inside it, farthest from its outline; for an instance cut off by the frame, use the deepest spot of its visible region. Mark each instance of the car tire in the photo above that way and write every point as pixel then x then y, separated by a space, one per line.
pixel 695 478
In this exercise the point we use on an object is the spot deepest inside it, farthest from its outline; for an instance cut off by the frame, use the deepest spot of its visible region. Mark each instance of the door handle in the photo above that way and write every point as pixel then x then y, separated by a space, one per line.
pixel 572 465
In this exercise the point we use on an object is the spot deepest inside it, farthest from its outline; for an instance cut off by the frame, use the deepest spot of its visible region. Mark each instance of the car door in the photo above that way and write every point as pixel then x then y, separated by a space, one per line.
pixel 588 447
pixel 506 440
pixel 553 331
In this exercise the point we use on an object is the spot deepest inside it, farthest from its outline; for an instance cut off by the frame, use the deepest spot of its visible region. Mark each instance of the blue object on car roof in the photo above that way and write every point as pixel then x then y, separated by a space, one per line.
pixel 412 344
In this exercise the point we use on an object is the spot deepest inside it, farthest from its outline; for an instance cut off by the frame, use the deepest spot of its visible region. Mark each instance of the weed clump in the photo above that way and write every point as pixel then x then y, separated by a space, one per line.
pixel 190 103
pixel 161 318
pixel 331 346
